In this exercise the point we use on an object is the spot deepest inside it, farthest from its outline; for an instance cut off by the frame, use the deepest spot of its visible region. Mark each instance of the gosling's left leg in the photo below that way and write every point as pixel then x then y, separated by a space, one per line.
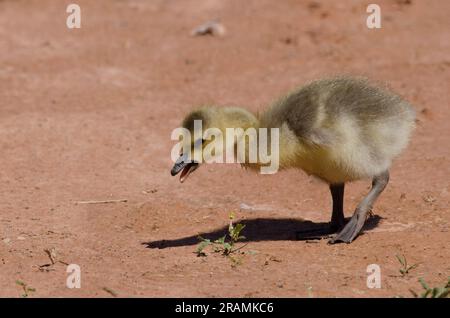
pixel 354 226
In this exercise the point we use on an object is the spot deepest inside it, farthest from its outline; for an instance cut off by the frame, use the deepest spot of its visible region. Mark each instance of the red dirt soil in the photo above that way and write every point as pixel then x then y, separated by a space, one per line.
pixel 86 114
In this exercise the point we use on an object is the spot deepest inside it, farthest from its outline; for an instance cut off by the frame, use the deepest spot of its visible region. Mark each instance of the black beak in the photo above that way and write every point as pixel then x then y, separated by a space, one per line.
pixel 184 165
pixel 181 162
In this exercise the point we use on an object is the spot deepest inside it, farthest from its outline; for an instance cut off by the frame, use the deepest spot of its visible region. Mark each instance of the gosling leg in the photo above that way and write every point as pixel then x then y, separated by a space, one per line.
pixel 354 226
pixel 337 216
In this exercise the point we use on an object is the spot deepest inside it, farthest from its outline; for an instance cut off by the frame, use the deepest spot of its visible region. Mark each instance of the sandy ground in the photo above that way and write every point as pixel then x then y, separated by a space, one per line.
pixel 87 114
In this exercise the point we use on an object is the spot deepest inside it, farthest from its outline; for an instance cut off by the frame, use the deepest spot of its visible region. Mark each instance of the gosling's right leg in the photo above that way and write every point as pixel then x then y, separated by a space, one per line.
pixel 337 216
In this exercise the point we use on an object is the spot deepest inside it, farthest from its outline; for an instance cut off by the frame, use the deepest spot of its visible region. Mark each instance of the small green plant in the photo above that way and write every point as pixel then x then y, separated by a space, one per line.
pixel 435 292
pixel 26 289
pixel 404 270
pixel 225 244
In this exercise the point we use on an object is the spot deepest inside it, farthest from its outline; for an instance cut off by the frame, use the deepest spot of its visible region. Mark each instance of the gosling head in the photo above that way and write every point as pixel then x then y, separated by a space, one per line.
pixel 211 118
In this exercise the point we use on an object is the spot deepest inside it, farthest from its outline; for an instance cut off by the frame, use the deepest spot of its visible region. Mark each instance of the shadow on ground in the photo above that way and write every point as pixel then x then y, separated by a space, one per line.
pixel 264 230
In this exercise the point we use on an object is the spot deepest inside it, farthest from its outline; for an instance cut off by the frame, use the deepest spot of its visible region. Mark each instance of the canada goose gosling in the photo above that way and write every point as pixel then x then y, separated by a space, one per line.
pixel 339 130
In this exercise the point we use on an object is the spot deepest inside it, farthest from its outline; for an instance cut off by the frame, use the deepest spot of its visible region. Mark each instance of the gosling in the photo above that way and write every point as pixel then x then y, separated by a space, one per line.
pixel 339 130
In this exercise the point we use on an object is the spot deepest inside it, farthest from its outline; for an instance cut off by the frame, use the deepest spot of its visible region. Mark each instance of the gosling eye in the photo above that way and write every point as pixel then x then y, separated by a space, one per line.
pixel 198 143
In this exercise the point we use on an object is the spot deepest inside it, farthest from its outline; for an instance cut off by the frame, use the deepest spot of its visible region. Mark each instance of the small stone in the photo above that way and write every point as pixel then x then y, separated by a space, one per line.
pixel 244 206
pixel 429 198
pixel 209 28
